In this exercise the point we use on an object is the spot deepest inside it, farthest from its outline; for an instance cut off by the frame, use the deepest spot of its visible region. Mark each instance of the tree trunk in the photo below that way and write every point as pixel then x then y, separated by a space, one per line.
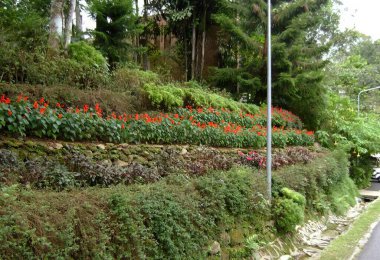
pixel 186 61
pixel 197 46
pixel 203 39
pixel 69 23
pixel 145 40
pixel 55 27
pixel 193 43
pixel 136 38
pixel 78 19
pixel 238 67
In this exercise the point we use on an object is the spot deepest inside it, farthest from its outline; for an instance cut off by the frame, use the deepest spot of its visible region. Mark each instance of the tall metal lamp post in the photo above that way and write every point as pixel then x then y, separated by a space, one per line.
pixel 366 90
pixel 269 103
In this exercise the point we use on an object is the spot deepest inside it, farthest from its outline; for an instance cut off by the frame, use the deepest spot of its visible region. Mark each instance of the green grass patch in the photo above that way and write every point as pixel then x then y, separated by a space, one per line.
pixel 343 247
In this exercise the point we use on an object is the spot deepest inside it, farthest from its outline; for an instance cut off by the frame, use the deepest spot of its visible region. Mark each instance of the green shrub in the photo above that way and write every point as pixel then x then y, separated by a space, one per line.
pixel 324 183
pixel 86 55
pixel 172 219
pixel 118 102
pixel 287 215
pixel 175 218
pixel 158 225
pixel 167 97
pixel 64 71
pixel 173 96
pixel 132 79
pixel 361 169
pixel 294 196
pixel 288 210
pixel 342 195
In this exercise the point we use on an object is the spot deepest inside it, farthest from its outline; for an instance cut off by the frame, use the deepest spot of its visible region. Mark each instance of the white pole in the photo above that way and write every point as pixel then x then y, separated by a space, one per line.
pixel 269 103
pixel 366 90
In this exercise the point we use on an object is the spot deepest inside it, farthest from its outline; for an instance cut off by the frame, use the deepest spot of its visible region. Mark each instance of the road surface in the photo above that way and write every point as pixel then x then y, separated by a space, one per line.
pixel 375 186
pixel 371 250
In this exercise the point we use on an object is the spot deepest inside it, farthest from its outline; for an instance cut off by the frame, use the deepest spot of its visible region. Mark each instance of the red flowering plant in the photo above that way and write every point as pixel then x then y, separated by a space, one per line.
pixel 280 117
pixel 14 116
pixel 39 118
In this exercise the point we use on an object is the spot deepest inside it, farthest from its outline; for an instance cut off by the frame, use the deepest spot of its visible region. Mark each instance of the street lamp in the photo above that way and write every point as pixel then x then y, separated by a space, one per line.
pixel 269 104
pixel 366 90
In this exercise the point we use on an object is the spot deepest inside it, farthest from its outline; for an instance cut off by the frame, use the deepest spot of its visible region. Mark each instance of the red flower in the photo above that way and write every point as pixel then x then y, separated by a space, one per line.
pixel 85 108
pixel 137 116
pixel 9 113
pixel 42 110
pixel 122 126
pixel 77 110
pixel 35 105
pixel 59 116
pixel 42 100
pixel 176 116
pixel 58 105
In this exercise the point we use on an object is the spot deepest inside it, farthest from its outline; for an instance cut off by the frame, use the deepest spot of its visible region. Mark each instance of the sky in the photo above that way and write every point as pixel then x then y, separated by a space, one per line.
pixel 363 15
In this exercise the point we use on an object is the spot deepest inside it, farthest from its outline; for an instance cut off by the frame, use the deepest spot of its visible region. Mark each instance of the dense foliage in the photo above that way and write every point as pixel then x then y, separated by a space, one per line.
pixel 172 96
pixel 176 217
pixel 288 210
pixel 45 165
pixel 354 68
pixel 40 119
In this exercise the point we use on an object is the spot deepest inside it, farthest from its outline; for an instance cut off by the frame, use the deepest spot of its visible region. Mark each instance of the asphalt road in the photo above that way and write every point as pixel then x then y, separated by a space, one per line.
pixel 375 186
pixel 371 250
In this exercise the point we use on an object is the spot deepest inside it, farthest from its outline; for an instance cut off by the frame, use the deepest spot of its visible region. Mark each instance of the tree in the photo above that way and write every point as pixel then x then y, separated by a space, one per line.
pixel 23 32
pixel 188 21
pixel 302 32
pixel 355 67
pixel 116 24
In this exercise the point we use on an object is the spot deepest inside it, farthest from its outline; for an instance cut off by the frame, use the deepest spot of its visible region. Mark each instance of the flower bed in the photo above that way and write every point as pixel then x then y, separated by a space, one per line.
pixel 280 117
pixel 221 129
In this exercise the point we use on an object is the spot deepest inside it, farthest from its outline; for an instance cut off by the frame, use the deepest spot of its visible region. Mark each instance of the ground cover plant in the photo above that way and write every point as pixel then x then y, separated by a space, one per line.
pixel 52 165
pixel 172 96
pixel 42 119
pixel 177 217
